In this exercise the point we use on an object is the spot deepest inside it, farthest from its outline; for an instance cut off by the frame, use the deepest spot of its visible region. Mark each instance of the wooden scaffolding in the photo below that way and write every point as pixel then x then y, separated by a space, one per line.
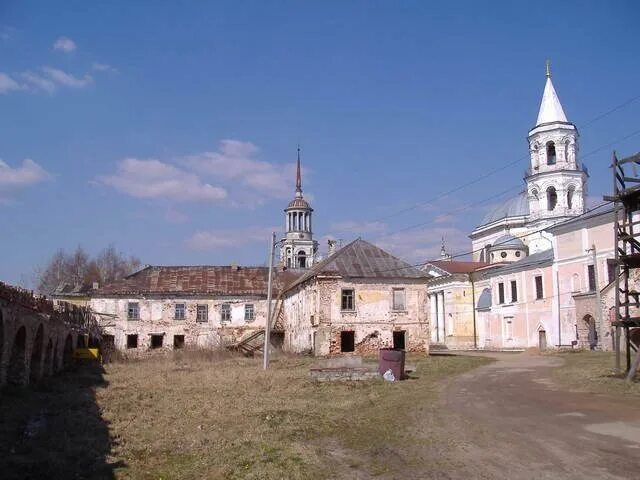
pixel 626 195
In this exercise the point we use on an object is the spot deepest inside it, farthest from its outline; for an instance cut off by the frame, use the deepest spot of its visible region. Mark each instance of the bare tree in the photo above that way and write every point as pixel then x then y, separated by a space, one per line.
pixel 78 268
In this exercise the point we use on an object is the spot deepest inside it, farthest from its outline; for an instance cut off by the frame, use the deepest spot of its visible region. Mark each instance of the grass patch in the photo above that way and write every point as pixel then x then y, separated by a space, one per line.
pixel 594 372
pixel 193 416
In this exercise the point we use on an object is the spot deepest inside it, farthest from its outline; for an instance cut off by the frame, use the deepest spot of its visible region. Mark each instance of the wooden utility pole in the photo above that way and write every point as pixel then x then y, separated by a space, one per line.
pixel 267 327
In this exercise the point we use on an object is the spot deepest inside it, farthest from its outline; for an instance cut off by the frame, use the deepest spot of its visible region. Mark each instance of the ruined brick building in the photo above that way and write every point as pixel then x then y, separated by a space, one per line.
pixel 356 300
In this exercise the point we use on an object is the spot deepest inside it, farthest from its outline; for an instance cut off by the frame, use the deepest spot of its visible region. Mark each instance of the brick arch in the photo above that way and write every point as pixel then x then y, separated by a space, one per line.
pixel 47 365
pixel 35 366
pixel 17 366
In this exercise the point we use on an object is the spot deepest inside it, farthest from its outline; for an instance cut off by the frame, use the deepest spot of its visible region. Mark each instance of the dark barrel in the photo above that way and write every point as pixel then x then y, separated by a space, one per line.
pixel 389 358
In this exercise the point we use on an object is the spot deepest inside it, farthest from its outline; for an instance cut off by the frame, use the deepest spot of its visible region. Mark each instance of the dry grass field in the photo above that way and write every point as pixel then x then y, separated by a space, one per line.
pixel 594 372
pixel 210 415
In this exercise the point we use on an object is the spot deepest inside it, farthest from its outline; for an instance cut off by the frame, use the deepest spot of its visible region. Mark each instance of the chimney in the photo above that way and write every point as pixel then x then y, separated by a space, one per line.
pixel 332 246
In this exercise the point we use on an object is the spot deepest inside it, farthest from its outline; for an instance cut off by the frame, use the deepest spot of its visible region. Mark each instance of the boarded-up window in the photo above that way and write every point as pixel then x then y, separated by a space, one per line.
pixel 399 299
pixel 347 341
pixel 347 299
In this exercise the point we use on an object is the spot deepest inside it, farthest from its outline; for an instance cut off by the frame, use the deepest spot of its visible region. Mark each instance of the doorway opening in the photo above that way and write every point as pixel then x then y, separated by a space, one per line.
pixel 542 340
pixel 399 338
pixel 347 341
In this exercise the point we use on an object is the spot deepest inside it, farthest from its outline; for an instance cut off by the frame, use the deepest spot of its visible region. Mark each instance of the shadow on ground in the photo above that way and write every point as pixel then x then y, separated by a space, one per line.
pixel 55 429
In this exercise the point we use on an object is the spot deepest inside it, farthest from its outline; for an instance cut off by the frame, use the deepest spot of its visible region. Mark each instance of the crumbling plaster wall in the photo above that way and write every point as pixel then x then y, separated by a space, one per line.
pixel 373 319
pixel 157 317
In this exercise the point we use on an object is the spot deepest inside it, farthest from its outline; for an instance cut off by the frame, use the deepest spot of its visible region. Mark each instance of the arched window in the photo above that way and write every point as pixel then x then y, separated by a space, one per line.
pixel 288 258
pixel 570 193
pixel 302 260
pixel 551 153
pixel 552 198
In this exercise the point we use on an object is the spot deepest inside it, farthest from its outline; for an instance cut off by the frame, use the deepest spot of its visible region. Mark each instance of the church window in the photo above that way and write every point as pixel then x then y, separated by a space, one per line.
pixel 611 269
pixel 551 153
pixel 517 254
pixel 302 260
pixel 552 198
pixel 539 291
pixel 500 293
pixel 514 291
pixel 570 197
pixel 592 277
pixel 503 254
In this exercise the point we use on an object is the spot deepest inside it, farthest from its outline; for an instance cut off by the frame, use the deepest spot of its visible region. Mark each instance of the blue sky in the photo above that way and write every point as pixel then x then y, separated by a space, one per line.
pixel 170 128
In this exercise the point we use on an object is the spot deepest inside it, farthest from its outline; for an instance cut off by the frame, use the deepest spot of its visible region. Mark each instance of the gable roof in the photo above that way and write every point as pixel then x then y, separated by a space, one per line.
pixel 198 280
pixel 361 259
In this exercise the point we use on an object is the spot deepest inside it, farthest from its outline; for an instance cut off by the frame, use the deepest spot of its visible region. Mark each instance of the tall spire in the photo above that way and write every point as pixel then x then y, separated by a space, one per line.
pixel 298 177
pixel 550 107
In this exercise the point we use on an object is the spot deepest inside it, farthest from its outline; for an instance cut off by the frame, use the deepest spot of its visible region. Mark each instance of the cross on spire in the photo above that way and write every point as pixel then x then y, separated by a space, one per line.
pixel 298 177
pixel 548 64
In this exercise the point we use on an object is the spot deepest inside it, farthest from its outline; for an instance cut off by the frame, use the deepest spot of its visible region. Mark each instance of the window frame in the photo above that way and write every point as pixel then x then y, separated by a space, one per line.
pixel 501 298
pixel 394 306
pixel 514 291
pixel 225 311
pixel 591 278
pixel 249 318
pixel 137 311
pixel 539 287
pixel 184 311
pixel 345 295
pixel 202 307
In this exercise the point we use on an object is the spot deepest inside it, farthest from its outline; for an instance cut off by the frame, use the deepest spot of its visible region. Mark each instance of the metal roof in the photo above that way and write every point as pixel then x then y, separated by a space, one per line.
pixel 198 280
pixel 507 241
pixel 484 300
pixel 514 207
pixel 361 259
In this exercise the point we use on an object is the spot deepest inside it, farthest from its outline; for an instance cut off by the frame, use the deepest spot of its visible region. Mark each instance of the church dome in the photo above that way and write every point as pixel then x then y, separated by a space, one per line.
pixel 515 207
pixel 299 203
pixel 508 242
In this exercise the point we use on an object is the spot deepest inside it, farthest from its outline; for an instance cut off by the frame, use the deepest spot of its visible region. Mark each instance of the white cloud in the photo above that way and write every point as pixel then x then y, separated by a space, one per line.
pixel 66 79
pixel 37 82
pixel 23 176
pixel 229 238
pixel 158 180
pixel 235 160
pixel 424 244
pixel 7 84
pixel 64 44
pixel 103 67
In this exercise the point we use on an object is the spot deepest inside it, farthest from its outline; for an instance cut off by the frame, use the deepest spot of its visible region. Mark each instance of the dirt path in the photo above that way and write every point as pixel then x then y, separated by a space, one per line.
pixel 514 422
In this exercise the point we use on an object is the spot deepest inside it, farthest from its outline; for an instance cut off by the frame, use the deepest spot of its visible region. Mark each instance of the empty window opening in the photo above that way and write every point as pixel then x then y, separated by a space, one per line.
pixel 551 153
pixel 202 313
pixel 156 341
pixel 539 292
pixel 178 341
pixel 302 260
pixel 347 299
pixel 180 311
pixel 552 198
pixel 570 197
pixel 501 293
pixel 592 277
pixel 249 312
pixel 225 313
pixel 132 341
pixel 133 311
pixel 399 339
pixel 347 341
pixel 399 299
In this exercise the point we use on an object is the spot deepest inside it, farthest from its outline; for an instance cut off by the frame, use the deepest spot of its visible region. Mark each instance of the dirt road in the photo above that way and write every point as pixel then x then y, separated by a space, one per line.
pixel 518 423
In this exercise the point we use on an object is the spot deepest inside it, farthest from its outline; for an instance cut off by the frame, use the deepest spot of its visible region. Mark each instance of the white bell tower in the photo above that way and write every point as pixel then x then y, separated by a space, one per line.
pixel 298 249
pixel 556 182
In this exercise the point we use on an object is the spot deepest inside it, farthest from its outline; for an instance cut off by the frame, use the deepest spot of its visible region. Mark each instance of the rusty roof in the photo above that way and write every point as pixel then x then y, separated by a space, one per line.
pixel 453 266
pixel 198 280
pixel 361 259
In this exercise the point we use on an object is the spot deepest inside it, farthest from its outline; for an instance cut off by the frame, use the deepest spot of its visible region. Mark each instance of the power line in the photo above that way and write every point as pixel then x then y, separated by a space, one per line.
pixel 505 166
